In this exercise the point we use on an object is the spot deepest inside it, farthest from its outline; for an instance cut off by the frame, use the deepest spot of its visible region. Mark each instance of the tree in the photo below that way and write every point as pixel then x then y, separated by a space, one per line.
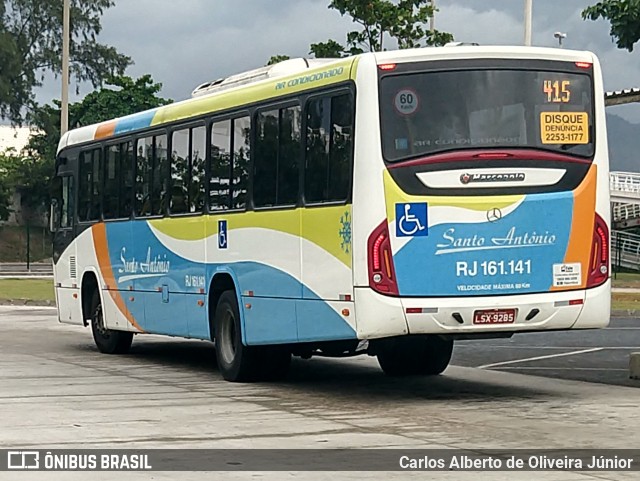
pixel 277 59
pixel 624 17
pixel 405 21
pixel 6 185
pixel 30 174
pixel 31 45
pixel 328 49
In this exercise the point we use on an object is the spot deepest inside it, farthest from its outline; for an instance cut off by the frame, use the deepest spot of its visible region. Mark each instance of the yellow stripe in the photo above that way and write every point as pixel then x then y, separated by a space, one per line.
pixel 322 226
pixel 394 195
pixel 279 87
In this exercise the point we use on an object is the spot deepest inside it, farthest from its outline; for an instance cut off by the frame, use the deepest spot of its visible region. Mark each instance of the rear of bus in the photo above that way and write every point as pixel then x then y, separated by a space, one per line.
pixel 480 192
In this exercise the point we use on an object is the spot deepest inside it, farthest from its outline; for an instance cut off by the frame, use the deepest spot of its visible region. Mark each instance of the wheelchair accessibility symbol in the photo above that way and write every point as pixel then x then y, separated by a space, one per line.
pixel 411 220
pixel 222 234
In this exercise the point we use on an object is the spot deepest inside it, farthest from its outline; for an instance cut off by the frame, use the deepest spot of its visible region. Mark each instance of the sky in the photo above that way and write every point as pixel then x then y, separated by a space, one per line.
pixel 185 43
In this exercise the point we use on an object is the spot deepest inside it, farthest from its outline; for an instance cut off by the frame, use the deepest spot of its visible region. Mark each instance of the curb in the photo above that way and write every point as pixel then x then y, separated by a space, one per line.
pixel 625 313
pixel 26 302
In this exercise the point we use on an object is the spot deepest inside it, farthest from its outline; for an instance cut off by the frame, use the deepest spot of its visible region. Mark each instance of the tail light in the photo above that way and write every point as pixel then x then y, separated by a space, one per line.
pixel 599 265
pixel 382 277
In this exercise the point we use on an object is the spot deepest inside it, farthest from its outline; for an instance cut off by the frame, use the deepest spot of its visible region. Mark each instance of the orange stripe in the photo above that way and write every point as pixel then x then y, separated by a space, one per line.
pixel 581 237
pixel 99 232
pixel 105 130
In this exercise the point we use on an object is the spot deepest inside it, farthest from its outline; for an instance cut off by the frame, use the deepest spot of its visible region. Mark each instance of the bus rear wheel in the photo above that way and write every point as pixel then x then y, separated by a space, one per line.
pixel 237 362
pixel 414 355
pixel 107 340
pixel 240 363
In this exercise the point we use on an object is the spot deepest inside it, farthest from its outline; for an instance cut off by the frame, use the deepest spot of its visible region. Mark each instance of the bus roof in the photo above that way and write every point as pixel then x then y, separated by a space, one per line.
pixel 491 51
pixel 306 75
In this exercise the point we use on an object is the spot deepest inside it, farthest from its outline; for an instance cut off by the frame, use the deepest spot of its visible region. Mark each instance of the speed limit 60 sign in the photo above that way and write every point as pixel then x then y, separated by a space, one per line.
pixel 406 102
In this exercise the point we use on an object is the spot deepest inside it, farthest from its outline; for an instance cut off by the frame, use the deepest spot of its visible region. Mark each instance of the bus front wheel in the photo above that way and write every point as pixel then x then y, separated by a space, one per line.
pixel 107 340
pixel 414 355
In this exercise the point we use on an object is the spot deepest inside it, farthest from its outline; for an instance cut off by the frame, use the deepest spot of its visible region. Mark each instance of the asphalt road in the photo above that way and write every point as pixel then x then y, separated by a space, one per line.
pixel 57 391
pixel 593 355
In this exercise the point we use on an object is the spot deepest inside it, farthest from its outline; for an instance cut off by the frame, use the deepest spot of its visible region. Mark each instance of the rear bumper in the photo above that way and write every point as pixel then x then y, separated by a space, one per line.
pixel 380 316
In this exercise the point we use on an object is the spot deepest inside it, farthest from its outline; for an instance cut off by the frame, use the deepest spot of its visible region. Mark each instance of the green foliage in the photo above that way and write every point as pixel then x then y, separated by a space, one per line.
pixel 404 20
pixel 277 59
pixel 129 97
pixel 31 44
pixel 6 184
pixel 30 174
pixel 328 49
pixel 624 17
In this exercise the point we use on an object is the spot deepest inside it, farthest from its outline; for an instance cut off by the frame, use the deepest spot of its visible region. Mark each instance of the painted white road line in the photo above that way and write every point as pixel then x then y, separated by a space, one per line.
pixel 530 368
pixel 537 358
pixel 548 348
pixel 8 308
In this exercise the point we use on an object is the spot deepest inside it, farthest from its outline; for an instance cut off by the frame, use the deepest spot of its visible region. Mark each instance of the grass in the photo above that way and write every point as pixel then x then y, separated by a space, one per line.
pixel 627 279
pixel 26 289
pixel 625 301
pixel 42 290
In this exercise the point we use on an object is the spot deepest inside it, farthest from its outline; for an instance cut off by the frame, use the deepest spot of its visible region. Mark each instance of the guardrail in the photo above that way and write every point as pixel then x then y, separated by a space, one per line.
pixel 625 182
pixel 625 211
pixel 625 187
pixel 625 249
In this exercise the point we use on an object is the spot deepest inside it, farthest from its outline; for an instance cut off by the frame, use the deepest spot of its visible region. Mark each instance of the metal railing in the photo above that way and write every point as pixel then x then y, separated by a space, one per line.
pixel 625 182
pixel 625 187
pixel 625 249
pixel 625 211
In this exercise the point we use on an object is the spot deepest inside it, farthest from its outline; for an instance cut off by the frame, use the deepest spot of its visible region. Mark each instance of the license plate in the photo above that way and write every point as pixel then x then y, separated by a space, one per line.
pixel 495 316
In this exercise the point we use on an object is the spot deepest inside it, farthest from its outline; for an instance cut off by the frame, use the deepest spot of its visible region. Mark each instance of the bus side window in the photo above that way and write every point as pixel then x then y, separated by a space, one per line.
pixel 220 167
pixel 112 183
pixel 277 157
pixel 89 186
pixel 96 190
pixel 144 173
pixel 179 172
pixel 66 204
pixel 265 159
pixel 341 147
pixel 126 153
pixel 240 164
pixel 196 170
pixel 328 149
pixel 85 185
pixel 160 175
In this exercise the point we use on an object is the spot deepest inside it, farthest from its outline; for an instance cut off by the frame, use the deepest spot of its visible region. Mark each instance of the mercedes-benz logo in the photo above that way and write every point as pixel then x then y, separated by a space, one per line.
pixel 494 214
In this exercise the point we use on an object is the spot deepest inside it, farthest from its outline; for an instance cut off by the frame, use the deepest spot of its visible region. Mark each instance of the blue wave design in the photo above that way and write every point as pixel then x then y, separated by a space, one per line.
pixel 278 313
pixel 442 263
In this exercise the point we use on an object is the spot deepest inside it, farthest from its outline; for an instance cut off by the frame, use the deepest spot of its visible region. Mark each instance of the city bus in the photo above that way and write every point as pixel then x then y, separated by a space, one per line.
pixel 386 204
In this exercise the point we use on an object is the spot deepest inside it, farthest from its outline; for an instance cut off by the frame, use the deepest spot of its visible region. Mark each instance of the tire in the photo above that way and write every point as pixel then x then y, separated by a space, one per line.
pixel 237 362
pixel 412 356
pixel 108 341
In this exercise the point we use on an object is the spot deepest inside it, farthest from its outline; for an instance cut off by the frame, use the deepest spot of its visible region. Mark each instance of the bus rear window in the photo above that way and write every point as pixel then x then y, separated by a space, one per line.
pixel 430 112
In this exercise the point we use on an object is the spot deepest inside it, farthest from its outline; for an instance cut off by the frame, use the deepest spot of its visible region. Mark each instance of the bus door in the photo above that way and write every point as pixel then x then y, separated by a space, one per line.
pixel 326 219
pixel 63 226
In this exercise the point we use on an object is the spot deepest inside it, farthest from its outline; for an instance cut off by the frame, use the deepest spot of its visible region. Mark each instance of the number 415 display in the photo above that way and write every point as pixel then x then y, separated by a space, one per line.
pixel 557 91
